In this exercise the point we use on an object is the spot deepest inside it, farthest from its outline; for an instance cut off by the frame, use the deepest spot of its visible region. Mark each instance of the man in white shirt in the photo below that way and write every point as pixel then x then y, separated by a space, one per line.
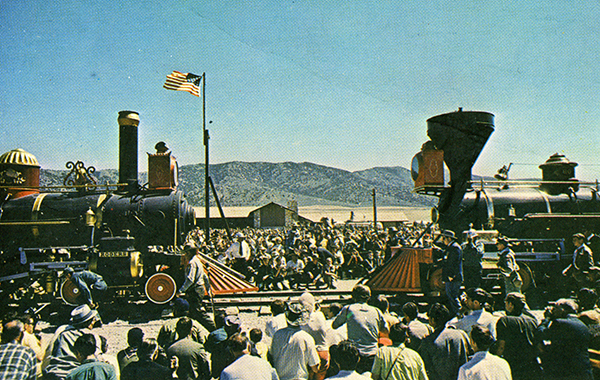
pixel 474 301
pixel 278 320
pixel 246 366
pixel 483 365
pixel 293 351
pixel 239 249
pixel 317 328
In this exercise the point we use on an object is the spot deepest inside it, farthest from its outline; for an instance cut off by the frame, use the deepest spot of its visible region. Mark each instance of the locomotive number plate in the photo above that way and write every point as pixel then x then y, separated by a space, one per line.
pixel 113 254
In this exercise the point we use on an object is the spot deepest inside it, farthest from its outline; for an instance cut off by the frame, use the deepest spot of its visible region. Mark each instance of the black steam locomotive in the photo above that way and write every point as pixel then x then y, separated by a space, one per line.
pixel 539 217
pixel 126 232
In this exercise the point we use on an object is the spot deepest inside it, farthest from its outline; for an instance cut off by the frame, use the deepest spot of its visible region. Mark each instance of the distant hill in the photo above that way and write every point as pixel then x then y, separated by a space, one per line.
pixel 257 183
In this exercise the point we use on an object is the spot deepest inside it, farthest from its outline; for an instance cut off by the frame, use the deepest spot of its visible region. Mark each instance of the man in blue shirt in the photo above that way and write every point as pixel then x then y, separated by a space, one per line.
pixel 87 282
pixel 90 368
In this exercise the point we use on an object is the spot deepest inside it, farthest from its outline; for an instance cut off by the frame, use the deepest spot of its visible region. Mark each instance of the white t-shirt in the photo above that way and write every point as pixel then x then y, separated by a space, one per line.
pixel 317 328
pixel 278 322
pixel 293 352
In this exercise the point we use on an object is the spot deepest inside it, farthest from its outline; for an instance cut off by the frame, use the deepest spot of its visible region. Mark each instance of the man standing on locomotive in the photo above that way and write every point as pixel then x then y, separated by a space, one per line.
pixel 87 282
pixel 472 255
pixel 583 260
pixel 508 267
pixel 452 269
pixel 195 286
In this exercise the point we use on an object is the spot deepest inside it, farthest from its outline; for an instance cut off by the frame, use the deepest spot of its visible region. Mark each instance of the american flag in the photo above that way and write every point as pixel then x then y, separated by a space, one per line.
pixel 183 82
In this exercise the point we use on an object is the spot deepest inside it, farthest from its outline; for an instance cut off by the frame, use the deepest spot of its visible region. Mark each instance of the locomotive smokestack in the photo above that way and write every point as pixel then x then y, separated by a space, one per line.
pixel 128 146
pixel 461 136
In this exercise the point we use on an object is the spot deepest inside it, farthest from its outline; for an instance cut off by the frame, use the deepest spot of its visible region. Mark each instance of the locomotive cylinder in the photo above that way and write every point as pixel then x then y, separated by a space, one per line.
pixel 128 148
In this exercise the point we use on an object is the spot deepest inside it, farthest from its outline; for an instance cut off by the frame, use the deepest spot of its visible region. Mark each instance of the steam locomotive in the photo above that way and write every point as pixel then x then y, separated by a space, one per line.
pixel 126 232
pixel 538 217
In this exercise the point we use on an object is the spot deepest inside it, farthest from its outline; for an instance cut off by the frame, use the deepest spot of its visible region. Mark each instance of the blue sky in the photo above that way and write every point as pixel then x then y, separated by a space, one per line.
pixel 347 84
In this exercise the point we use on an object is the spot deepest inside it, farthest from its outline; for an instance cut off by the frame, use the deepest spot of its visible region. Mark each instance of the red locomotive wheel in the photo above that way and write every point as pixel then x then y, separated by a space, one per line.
pixel 160 288
pixel 526 276
pixel 70 293
pixel 435 281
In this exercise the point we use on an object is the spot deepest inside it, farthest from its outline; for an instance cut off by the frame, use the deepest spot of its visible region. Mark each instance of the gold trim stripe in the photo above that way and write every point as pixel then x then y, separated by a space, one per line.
pixel 35 213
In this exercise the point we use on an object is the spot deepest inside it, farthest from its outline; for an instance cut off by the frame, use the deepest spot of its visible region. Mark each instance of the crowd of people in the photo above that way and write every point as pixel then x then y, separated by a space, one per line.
pixel 303 340
pixel 465 338
pixel 309 257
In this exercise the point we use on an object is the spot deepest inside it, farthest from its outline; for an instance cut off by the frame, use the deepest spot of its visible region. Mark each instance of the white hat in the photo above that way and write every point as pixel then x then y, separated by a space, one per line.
pixel 297 314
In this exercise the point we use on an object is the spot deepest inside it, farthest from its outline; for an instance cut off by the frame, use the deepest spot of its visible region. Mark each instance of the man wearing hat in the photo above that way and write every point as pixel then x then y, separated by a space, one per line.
pixel 583 260
pixel 452 269
pixel 221 355
pixel 472 256
pixel 196 285
pixel 508 267
pixel 239 249
pixel 293 351
pixel 566 342
pixel 238 254
pixel 61 352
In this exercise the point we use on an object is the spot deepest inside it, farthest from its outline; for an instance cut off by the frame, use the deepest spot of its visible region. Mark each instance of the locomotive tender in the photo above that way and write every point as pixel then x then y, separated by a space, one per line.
pixel 539 217
pixel 125 232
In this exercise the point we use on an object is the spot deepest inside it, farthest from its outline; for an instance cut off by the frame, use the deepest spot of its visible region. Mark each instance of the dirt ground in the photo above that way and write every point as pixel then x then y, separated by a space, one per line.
pixel 150 319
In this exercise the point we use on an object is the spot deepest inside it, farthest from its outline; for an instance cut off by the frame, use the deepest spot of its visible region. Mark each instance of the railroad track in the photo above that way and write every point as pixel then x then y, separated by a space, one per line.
pixel 263 298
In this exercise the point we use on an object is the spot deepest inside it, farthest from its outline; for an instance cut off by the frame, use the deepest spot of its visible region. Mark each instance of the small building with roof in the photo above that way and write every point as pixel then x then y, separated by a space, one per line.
pixel 274 215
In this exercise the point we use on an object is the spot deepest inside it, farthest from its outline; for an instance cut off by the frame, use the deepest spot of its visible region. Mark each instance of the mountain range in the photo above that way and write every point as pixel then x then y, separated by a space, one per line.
pixel 258 183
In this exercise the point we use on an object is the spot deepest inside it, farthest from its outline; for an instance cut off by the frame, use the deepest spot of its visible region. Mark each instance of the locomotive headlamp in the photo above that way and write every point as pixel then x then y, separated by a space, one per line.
pixel 90 218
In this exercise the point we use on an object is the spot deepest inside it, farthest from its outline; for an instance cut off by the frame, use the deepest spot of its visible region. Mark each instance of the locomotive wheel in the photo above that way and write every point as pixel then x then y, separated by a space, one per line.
pixel 435 281
pixel 160 288
pixel 525 274
pixel 70 293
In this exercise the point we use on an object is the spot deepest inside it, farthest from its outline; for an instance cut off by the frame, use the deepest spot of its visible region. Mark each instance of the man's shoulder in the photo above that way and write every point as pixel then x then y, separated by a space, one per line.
pixel 17 348
pixel 453 334
pixel 145 365
pixel 92 366
pixel 185 344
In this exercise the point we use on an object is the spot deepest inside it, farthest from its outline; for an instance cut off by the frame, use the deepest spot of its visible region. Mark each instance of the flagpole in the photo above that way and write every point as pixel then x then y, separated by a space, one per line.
pixel 206 174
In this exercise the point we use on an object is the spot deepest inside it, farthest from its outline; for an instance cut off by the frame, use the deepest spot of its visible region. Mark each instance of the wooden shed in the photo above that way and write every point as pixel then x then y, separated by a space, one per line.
pixel 274 215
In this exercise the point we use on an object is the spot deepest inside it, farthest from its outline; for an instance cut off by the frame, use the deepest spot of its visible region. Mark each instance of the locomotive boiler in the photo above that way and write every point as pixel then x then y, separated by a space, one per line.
pixel 126 232
pixel 538 216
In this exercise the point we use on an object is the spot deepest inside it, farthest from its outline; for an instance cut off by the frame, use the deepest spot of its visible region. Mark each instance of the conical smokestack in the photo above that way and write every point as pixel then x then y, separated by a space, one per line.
pixel 128 147
pixel 461 136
